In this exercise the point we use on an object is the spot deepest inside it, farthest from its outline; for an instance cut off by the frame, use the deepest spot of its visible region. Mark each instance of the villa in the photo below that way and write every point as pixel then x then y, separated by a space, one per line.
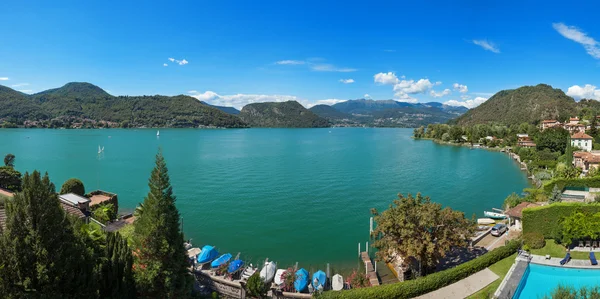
pixel 75 201
pixel 66 206
pixel 523 140
pixel 551 123
pixel 582 141
pixel 101 197
pixel 516 214
pixel 586 160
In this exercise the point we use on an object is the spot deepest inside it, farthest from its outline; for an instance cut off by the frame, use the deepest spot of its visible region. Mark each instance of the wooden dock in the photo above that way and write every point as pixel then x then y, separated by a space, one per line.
pixel 371 274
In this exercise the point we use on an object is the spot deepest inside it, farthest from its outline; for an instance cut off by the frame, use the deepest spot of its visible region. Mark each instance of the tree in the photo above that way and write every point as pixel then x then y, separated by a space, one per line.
pixel 418 228
pixel 556 195
pixel 555 139
pixel 257 288
pixel 10 179
pixel 160 257
pixel 74 186
pixel 41 254
pixel 116 275
pixel 9 160
pixel 104 212
pixel 419 132
pixel 593 129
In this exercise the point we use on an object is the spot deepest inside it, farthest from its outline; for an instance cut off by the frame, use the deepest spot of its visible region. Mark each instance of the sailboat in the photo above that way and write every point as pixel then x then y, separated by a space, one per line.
pixel 100 149
pixel 157 133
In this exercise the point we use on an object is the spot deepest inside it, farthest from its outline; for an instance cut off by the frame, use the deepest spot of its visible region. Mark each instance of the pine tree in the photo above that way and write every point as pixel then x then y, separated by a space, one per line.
pixel 556 195
pixel 41 255
pixel 116 276
pixel 160 267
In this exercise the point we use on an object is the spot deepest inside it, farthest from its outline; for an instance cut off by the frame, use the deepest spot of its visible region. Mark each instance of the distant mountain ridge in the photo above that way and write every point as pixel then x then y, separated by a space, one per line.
pixel 290 114
pixel 230 110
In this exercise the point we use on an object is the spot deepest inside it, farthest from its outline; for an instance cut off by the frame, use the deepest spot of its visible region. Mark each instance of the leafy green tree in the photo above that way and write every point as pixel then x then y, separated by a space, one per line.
pixel 556 195
pixel 104 212
pixel 419 132
pixel 160 257
pixel 579 226
pixel 256 287
pixel 116 274
pixel 593 124
pixel 554 139
pixel 10 179
pixel 512 200
pixel 9 160
pixel 42 256
pixel 456 133
pixel 416 227
pixel 73 185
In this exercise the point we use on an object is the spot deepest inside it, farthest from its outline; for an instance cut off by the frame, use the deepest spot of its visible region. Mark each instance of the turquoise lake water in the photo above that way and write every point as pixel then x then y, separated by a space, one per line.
pixel 292 195
pixel 541 280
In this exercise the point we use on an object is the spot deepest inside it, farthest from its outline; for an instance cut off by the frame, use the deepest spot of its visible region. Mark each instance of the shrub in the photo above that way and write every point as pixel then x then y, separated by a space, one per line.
pixel 593 182
pixel 420 286
pixel 358 280
pixel 534 240
pixel 545 219
pixel 74 186
pixel 104 212
pixel 256 287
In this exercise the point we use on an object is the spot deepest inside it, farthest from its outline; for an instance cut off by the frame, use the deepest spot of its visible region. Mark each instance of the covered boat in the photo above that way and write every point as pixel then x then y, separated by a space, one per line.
pixel 208 254
pixel 249 271
pixel 235 266
pixel 221 260
pixel 267 273
pixel 337 282
pixel 485 221
pixel 494 215
pixel 301 281
pixel 318 280
pixel 278 276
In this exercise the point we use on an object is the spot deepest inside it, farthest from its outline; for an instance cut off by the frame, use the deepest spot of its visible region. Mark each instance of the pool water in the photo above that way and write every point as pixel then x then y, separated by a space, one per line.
pixel 539 280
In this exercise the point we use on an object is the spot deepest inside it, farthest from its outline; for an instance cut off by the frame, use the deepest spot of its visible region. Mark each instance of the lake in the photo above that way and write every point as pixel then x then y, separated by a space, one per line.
pixel 292 195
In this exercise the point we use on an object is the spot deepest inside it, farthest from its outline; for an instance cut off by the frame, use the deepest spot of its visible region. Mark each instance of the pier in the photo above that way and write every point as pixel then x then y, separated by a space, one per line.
pixel 371 272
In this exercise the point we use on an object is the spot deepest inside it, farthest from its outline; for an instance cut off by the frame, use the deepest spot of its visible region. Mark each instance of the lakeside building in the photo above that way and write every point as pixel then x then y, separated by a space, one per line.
pixel 523 140
pixel 573 120
pixel 586 160
pixel 550 123
pixel 515 214
pixel 582 141
pixel 101 197
pixel 76 201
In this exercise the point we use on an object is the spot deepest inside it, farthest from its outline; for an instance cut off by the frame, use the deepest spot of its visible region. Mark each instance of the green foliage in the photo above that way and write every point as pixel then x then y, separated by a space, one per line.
pixel 512 200
pixel 419 132
pixel 530 104
pixel 569 292
pixel 288 114
pixel 42 255
pixel 553 139
pixel 546 219
pixel 556 195
pixel 420 286
pixel 534 240
pixel 419 228
pixel 288 277
pixel 9 160
pixel 579 226
pixel 10 179
pixel 115 271
pixel 160 259
pixel 104 212
pixel 590 182
pixel 74 186
pixel 256 287
pixel 75 102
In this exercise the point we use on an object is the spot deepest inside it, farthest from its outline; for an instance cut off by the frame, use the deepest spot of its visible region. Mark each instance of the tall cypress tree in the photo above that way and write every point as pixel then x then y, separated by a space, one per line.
pixel 42 256
pixel 116 276
pixel 160 262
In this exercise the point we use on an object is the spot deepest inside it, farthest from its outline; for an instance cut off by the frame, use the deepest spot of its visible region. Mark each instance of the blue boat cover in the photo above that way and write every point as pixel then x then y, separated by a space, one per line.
pixel 207 254
pixel 235 265
pixel 221 260
pixel 318 279
pixel 301 280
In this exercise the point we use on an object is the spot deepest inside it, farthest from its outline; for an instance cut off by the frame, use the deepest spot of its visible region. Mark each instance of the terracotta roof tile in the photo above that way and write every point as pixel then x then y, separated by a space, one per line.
pixel 581 135
pixel 517 211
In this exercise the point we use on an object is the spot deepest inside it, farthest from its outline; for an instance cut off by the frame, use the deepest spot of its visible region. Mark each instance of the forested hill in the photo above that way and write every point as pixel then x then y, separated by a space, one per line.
pixel 87 105
pixel 289 114
pixel 529 104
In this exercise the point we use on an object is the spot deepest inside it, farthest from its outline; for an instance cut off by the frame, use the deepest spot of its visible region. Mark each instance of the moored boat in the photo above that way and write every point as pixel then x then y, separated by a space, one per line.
pixel 494 215
pixel 267 273
pixel 278 276
pixel 249 271
pixel 235 266
pixel 207 255
pixel 221 260
pixel 485 221
pixel 301 281
pixel 318 280
pixel 337 282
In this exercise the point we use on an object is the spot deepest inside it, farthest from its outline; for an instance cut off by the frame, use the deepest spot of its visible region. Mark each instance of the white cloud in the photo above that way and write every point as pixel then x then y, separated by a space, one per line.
pixel 324 67
pixel 386 78
pixel 445 92
pixel 3 78
pixel 575 34
pixel 172 59
pixel 180 62
pixel 460 88
pixel 367 96
pixel 26 90
pixel 588 91
pixel 164 64
pixel 468 103
pixel 438 83
pixel 240 100
pixel 322 102
pixel 290 62
pixel 403 97
pixel 412 87
pixel 20 85
pixel 347 81
pixel 486 45
pixel 465 97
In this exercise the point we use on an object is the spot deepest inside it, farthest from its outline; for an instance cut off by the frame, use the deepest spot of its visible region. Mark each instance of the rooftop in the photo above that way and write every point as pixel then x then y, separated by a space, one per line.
pixel 72 210
pixel 73 199
pixel 517 211
pixel 581 135
pixel 6 193
pixel 98 199
pixel 549 121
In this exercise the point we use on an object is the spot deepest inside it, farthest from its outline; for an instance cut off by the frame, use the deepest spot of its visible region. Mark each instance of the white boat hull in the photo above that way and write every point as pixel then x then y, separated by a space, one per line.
pixel 267 273
pixel 337 282
pixel 278 281
pixel 485 221
pixel 494 215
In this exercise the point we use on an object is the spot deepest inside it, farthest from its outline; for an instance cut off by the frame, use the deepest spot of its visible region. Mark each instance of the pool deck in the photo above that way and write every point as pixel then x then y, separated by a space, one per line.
pixel 464 287
pixel 511 281
pixel 573 263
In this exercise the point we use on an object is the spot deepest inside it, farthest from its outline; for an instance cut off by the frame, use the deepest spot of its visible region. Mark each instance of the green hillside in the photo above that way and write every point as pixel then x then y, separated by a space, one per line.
pixel 281 115
pixel 525 104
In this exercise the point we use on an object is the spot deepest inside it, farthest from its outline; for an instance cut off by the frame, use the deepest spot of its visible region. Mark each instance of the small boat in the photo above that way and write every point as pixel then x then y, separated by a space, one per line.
pixel 318 280
pixel 157 133
pixel 249 271
pixel 337 282
pixel 207 255
pixel 235 266
pixel 301 281
pixel 483 227
pixel 278 276
pixel 485 221
pixel 267 273
pixel 221 260
pixel 494 215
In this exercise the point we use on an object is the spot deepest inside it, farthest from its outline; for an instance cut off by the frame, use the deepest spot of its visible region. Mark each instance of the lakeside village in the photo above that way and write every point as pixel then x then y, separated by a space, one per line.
pixel 443 254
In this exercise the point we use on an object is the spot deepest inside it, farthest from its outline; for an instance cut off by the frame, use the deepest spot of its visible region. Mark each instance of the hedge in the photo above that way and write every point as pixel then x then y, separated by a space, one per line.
pixel 545 219
pixel 432 282
pixel 593 182
pixel 534 240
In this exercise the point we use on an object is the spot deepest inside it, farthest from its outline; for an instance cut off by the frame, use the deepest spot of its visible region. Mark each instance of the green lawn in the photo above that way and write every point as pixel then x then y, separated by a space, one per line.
pixel 500 268
pixel 557 250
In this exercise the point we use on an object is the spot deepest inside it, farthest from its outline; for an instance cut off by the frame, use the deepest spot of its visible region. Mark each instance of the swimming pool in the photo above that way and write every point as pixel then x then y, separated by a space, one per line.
pixel 540 280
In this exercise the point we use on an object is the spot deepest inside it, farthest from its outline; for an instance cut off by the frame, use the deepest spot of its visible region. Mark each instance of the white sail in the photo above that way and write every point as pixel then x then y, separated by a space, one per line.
pixel 99 149
pixel 157 133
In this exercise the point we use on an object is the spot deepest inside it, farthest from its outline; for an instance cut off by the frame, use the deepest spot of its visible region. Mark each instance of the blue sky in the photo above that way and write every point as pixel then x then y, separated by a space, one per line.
pixel 235 52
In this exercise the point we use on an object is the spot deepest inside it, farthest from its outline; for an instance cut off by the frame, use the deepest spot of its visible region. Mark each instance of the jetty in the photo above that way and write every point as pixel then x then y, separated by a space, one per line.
pixel 370 270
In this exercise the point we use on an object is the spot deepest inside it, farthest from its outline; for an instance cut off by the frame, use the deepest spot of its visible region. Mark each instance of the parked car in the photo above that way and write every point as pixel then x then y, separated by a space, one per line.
pixel 499 229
